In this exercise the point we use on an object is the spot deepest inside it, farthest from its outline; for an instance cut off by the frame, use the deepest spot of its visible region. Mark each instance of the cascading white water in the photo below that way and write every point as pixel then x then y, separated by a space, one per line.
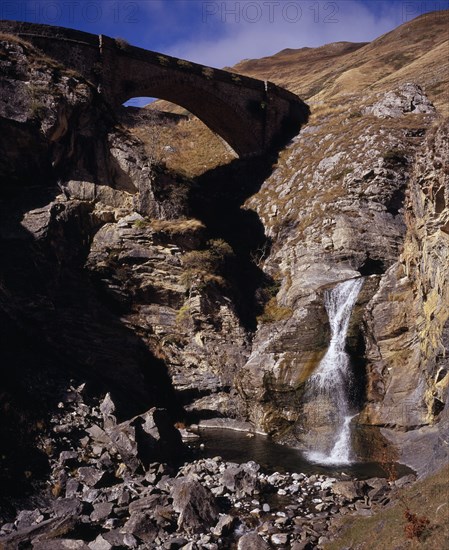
pixel 332 376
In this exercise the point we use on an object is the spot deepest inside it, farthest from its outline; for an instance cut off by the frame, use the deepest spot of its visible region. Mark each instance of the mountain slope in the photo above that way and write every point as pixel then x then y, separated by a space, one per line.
pixel 415 48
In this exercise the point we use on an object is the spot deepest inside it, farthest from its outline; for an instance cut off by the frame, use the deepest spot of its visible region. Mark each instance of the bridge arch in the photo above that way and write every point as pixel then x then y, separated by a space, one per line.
pixel 230 123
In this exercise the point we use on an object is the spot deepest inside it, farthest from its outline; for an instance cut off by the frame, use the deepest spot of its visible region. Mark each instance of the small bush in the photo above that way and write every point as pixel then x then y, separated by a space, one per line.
pixel 122 44
pixel 183 314
pixel 208 72
pixel 417 527
pixel 163 60
pixel 395 155
pixel 37 109
pixel 185 64
pixel 141 224
pixel 203 267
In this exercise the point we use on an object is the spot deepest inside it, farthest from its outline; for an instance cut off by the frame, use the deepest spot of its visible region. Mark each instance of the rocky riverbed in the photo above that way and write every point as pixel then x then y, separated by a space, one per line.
pixel 136 485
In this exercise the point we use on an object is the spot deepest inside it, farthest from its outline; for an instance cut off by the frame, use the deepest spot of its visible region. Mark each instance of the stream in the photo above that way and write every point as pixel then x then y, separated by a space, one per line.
pixel 237 447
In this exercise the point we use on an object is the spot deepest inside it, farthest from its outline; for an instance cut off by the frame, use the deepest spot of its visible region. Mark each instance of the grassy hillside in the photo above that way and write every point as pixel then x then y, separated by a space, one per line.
pixel 417 51
pixel 390 528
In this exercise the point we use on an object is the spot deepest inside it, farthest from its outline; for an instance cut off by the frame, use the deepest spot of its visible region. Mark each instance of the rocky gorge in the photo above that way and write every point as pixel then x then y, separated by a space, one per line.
pixel 136 297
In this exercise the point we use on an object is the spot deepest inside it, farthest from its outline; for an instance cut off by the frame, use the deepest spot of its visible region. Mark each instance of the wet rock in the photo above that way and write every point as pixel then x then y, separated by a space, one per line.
pixel 195 504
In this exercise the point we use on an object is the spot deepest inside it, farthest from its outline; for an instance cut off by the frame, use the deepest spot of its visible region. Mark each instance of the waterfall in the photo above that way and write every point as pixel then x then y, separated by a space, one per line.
pixel 332 377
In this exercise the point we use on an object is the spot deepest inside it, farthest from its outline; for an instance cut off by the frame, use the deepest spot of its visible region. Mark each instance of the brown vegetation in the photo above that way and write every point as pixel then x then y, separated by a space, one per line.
pixel 424 523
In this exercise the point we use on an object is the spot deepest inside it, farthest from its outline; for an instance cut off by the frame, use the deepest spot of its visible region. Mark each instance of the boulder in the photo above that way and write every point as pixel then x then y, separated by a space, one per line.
pixel 146 438
pixel 241 479
pixel 60 544
pixel 224 525
pixel 195 504
pixel 252 541
pixel 409 98
pixel 142 526
pixel 346 489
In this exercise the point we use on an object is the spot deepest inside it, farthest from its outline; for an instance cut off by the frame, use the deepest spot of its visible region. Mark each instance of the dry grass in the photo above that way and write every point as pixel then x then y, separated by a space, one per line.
pixel 390 528
pixel 15 39
pixel 188 147
pixel 417 50
pixel 181 225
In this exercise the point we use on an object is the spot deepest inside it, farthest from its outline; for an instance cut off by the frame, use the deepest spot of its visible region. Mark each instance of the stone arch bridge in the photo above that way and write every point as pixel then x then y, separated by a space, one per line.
pixel 253 116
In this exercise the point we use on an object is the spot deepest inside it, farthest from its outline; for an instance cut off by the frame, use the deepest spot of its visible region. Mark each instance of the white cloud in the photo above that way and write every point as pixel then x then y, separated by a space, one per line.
pixel 257 29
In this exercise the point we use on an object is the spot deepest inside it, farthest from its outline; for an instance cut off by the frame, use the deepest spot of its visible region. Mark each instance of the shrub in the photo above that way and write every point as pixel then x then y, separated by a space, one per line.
pixel 122 44
pixel 395 155
pixel 37 109
pixel 163 60
pixel 183 313
pixel 203 267
pixel 185 64
pixel 141 224
pixel 417 527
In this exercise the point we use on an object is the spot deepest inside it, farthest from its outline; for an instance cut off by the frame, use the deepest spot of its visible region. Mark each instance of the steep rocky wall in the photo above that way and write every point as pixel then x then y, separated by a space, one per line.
pixel 106 269
pixel 380 212
pixel 96 281
pixel 333 209
pixel 407 320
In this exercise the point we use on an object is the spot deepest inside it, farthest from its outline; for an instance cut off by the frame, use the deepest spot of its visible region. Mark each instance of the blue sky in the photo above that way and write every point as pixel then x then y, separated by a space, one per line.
pixel 222 32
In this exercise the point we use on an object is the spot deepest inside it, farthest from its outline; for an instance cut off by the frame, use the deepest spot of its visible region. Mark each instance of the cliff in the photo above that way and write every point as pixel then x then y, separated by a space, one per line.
pixel 195 282
pixel 348 198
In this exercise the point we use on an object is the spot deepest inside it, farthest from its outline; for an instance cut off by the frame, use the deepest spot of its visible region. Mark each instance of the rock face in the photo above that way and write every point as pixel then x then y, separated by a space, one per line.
pixel 336 216
pixel 186 306
pixel 381 213
pixel 105 278
pixel 408 347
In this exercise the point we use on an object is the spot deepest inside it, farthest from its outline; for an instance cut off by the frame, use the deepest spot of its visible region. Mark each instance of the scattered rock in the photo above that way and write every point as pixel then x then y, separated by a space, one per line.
pixel 409 98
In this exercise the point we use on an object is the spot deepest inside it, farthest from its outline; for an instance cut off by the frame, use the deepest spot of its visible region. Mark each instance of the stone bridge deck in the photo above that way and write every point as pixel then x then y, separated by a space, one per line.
pixel 253 116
